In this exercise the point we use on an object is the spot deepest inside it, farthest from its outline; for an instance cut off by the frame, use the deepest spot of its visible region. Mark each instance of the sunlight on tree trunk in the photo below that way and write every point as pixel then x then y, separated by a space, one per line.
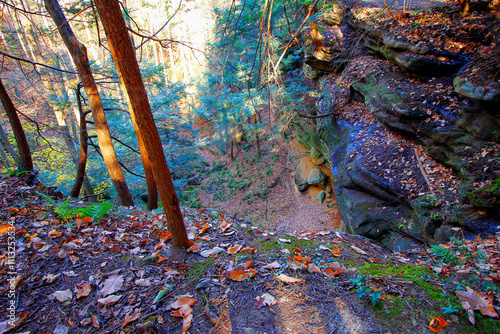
pixel 130 76
pixel 25 162
pixel 79 54
pixel 7 147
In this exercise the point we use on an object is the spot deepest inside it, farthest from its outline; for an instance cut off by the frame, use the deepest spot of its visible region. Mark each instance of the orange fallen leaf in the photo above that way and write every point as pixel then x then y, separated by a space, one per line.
pixel 82 290
pixel 224 227
pixel 222 217
pixel 437 324
pixel 241 275
pixel 194 248
pixel 159 245
pixel 302 258
pixel 95 322
pixel 249 250
pixel 161 259
pixel 235 249
pixel 129 318
pixel 184 300
pixel 331 272
pixel 165 236
pixel 54 233
pixel 248 264
pixel 336 251
pixel 297 250
pixel 204 229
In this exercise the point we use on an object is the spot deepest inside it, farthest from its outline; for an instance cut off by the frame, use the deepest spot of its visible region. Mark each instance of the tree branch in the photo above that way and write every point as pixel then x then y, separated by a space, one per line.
pixel 35 63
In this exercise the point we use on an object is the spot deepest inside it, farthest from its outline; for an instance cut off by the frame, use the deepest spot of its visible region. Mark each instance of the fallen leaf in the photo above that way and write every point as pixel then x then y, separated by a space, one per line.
pixel 194 249
pixel 249 250
pixel 235 249
pixel 272 265
pixel 331 272
pixel 109 300
pixel 358 250
pixel 50 278
pixel 161 259
pixel 63 295
pixel 95 322
pixel 129 318
pixel 183 300
pixel 111 285
pixel 6 228
pixel 265 300
pixel 248 264
pixel 213 251
pixel 61 329
pixel 70 273
pixel 336 252
pixel 74 259
pixel 302 258
pixel 82 290
pixel 165 236
pixel 241 275
pixel 53 234
pixel 437 324
pixel 287 279
pixel 477 301
pixel 313 269
pixel 143 282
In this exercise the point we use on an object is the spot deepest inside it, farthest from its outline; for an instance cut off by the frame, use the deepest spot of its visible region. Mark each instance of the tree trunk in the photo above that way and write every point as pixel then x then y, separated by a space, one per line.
pixel 79 54
pixel 25 162
pixel 81 178
pixel 140 110
pixel 8 147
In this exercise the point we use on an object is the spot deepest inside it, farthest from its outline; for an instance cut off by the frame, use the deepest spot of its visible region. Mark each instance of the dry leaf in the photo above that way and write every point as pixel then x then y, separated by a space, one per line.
pixel 302 258
pixel 194 248
pixel 74 259
pixel 142 282
pixel 63 295
pixel 129 318
pixel 248 264
pixel 50 278
pixel 287 279
pixel 111 285
pixel 235 249
pixel 95 322
pixel 183 300
pixel 213 251
pixel 265 300
pixel 331 272
pixel 82 290
pixel 313 269
pixel 70 273
pixel 241 275
pixel 7 228
pixel 437 324
pixel 477 301
pixel 336 251
pixel 249 250
pixel 358 250
pixel 111 299
pixel 272 265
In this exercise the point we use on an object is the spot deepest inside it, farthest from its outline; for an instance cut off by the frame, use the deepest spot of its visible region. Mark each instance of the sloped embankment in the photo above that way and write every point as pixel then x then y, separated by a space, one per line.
pixel 414 136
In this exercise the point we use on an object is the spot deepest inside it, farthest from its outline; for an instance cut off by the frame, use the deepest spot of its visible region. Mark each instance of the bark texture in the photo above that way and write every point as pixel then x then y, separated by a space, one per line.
pixel 25 161
pixel 78 52
pixel 130 76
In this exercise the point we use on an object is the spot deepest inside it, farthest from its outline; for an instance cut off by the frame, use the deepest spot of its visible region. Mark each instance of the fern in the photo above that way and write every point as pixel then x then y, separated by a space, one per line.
pixel 47 198
pixel 445 253
pixel 96 211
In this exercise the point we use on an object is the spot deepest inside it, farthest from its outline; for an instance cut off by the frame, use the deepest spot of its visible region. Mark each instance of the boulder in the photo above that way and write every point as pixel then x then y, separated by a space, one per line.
pixel 300 179
pixel 321 196
pixel 317 178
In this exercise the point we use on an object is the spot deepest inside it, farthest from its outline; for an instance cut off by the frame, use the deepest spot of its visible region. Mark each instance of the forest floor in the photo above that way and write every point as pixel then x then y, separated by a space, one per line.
pixel 119 274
